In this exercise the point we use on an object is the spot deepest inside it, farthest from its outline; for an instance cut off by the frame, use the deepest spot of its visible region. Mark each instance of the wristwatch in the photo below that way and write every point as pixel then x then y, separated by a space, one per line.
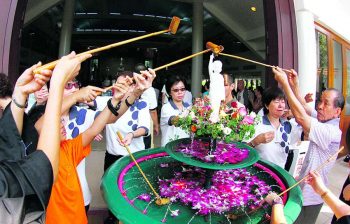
pixel 113 109
pixel 276 201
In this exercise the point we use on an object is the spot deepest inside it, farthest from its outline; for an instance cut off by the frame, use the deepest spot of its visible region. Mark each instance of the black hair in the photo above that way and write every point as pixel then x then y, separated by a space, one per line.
pixel 339 100
pixel 260 89
pixel 270 94
pixel 140 67
pixel 125 73
pixel 6 88
pixel 229 78
pixel 172 80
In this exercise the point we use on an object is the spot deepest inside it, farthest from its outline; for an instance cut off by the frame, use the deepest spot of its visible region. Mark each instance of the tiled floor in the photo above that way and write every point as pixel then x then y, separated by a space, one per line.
pixel 94 172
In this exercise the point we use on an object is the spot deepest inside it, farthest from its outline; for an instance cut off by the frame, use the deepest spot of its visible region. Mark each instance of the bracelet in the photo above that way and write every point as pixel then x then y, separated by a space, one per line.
pixel 20 105
pixel 133 136
pixel 276 201
pixel 113 109
pixel 252 144
pixel 324 194
pixel 127 103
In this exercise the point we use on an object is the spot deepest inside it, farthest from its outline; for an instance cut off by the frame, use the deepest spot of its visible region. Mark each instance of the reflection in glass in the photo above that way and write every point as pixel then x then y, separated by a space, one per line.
pixel 338 66
pixel 322 63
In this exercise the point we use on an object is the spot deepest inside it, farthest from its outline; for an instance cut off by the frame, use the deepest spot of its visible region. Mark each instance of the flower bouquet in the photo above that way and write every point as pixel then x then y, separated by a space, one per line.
pixel 233 123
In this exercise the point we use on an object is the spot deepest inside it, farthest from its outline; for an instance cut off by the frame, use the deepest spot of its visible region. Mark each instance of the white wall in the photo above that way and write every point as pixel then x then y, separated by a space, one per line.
pixel 333 14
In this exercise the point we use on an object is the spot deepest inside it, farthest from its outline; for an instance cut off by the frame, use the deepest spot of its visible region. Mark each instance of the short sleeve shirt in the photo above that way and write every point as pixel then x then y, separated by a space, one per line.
pixel 150 97
pixel 66 202
pixel 169 131
pixel 324 142
pixel 277 150
pixel 137 116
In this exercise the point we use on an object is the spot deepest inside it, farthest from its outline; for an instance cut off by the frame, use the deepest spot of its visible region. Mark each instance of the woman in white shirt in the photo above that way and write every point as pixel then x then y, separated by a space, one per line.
pixel 274 135
pixel 175 86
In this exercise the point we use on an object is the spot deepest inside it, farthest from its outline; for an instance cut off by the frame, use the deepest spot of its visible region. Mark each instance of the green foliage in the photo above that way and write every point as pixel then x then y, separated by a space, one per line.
pixel 233 125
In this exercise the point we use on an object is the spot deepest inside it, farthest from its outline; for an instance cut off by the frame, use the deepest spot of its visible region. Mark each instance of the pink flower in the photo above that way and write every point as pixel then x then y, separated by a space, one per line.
pixel 248 120
pixel 242 111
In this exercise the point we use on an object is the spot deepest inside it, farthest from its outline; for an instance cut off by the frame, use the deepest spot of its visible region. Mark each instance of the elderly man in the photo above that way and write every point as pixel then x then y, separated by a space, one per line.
pixel 324 135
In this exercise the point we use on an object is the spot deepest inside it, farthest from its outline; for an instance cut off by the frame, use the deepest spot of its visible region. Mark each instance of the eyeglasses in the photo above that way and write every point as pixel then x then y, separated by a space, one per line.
pixel 177 90
pixel 70 85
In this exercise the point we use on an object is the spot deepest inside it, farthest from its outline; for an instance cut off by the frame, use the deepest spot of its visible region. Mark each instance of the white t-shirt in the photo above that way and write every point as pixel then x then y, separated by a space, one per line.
pixel 261 112
pixel 137 116
pixel 240 97
pixel 188 97
pixel 276 151
pixel 166 95
pixel 170 132
pixel 150 96
pixel 324 142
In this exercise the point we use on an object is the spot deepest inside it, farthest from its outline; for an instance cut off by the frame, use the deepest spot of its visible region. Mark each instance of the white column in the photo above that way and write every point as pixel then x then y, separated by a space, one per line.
pixel 307 55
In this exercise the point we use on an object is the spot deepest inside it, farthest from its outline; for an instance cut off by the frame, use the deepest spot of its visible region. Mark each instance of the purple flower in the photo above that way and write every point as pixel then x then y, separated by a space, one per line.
pixel 230 190
pixel 144 197
pixel 224 153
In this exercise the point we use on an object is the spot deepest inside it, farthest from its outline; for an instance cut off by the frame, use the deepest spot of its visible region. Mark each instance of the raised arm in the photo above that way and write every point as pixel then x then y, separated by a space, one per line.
pixel 293 81
pixel 83 95
pixel 210 65
pixel 300 114
pixel 27 83
pixel 49 140
pixel 117 107
pixel 109 114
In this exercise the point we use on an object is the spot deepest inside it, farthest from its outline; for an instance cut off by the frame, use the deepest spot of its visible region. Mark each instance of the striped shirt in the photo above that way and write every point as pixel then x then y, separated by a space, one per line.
pixel 324 142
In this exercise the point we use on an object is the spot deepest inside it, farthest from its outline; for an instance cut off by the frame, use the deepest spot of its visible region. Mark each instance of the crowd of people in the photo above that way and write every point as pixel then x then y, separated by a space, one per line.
pixel 42 167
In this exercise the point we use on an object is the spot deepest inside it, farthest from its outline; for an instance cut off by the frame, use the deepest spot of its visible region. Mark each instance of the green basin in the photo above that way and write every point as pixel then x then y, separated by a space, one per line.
pixel 131 184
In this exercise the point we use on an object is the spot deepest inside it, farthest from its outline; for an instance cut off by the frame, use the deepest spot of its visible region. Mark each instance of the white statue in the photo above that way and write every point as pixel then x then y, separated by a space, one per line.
pixel 216 88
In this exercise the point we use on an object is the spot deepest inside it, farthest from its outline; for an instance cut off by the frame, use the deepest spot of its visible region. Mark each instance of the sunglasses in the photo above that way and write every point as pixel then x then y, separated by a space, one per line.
pixel 177 90
pixel 70 85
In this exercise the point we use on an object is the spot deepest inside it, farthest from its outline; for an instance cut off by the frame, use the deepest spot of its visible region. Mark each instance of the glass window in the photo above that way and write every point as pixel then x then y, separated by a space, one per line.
pixel 347 99
pixel 338 66
pixel 322 63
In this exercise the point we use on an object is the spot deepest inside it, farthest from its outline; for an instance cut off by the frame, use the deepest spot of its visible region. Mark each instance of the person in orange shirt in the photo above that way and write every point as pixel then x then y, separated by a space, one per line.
pixel 66 203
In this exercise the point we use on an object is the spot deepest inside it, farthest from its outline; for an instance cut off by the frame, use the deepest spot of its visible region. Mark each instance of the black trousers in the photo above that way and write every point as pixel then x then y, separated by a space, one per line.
pixel 109 160
pixel 147 141
pixel 289 160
